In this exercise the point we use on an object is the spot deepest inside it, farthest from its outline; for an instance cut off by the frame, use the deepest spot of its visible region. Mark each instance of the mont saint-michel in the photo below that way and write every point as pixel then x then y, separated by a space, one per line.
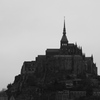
pixel 61 74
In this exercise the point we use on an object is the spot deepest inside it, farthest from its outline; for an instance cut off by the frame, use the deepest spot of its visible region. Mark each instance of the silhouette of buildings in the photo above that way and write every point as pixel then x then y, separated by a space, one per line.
pixel 60 74
pixel 68 57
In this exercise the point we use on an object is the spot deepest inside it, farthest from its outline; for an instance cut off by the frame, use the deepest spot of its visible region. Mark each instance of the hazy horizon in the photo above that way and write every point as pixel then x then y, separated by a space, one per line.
pixel 29 27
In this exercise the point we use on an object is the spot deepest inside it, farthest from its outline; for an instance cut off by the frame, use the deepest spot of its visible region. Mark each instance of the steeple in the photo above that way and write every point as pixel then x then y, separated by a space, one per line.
pixel 64 40
pixel 64 29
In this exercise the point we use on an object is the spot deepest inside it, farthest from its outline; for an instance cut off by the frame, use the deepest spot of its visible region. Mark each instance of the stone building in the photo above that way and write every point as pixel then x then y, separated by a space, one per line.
pixel 61 74
pixel 65 95
pixel 68 57
pixel 28 67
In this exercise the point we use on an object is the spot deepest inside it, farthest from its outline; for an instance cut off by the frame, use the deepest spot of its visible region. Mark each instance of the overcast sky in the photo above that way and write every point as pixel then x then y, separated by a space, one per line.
pixel 29 27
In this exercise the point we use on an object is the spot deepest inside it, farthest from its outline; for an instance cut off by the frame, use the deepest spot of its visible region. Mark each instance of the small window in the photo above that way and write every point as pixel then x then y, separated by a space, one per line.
pixel 64 44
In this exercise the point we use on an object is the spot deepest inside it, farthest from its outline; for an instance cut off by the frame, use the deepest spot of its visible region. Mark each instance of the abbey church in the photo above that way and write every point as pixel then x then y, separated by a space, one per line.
pixel 68 57
pixel 61 74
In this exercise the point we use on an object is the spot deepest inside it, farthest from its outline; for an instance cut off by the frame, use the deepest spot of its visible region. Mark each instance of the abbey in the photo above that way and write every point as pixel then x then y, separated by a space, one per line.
pixel 61 74
pixel 68 57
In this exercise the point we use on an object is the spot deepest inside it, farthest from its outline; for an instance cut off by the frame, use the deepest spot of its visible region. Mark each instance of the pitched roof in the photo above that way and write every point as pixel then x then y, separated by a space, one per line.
pixel 64 39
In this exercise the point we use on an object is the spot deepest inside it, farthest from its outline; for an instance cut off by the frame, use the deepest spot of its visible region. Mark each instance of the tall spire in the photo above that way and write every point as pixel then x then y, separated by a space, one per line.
pixel 64 40
pixel 64 29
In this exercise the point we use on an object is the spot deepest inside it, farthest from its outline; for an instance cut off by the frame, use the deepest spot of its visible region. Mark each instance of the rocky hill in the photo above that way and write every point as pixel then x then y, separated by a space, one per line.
pixel 61 74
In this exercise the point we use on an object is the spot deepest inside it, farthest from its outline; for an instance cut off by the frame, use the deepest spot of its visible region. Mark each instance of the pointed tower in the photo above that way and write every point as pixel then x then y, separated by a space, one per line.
pixel 64 40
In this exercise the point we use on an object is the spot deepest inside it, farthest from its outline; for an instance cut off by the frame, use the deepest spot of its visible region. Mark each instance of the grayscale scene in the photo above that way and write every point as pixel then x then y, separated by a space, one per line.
pixel 49 50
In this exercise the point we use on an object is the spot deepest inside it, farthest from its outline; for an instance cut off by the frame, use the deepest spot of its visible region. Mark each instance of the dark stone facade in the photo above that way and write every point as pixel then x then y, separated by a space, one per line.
pixel 68 57
pixel 65 73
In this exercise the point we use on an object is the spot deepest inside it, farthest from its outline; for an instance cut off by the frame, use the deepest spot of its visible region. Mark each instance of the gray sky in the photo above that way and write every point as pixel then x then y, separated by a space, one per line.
pixel 29 27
